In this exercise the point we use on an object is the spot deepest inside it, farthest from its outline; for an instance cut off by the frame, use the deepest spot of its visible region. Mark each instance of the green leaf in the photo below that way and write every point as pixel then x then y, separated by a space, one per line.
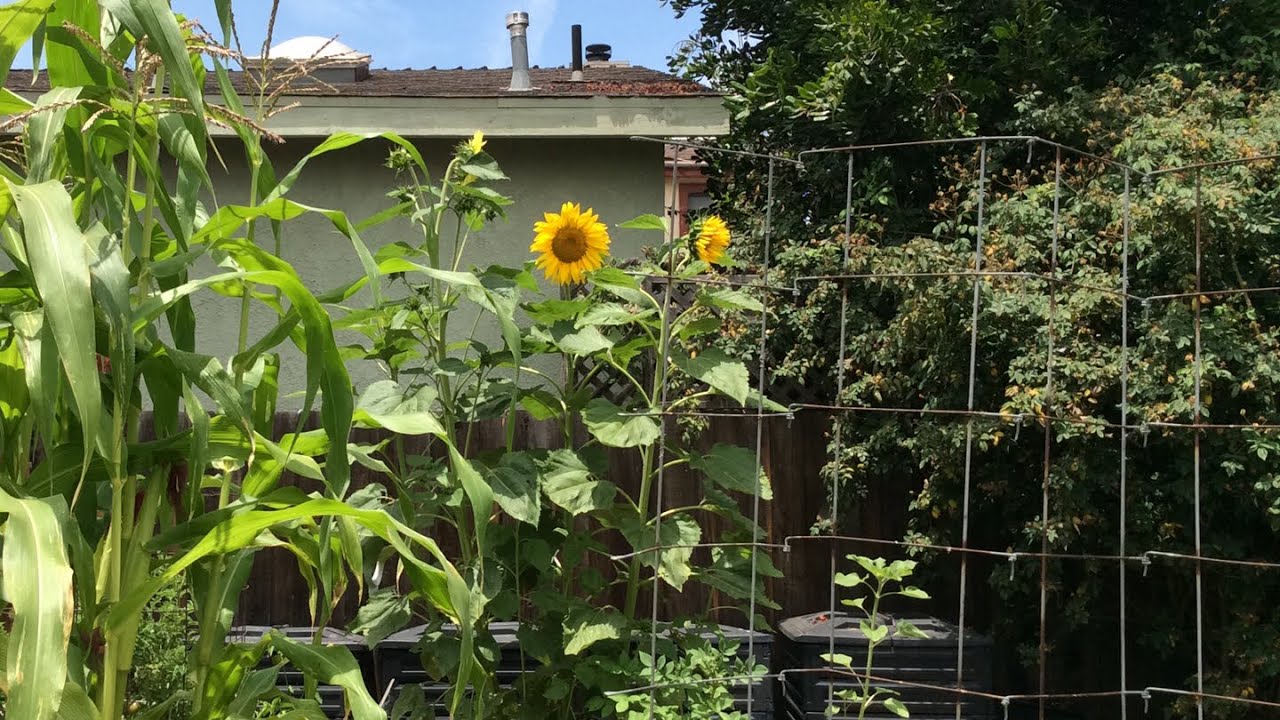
pixel 384 405
pixel 68 66
pixel 326 373
pixel 156 20
pixel 858 603
pixel 483 170
pixel 37 584
pixel 412 703
pixel 554 310
pixel 184 144
pixel 18 21
pixel 730 572
pixel 848 579
pixel 838 659
pixel 338 141
pixel 729 299
pixel 906 629
pixel 623 285
pixel 224 677
pixel 733 468
pixel 678 533
pixel 915 593
pixel 384 613
pixel 722 373
pixel 56 250
pixel 583 340
pixel 478 493
pixel 647 221
pixel 208 374
pixel 607 314
pixel 586 627
pixel 540 404
pixel 438 585
pixel 44 133
pixel 76 704
pixel 612 426
pixel 569 484
pixel 515 488
pixel 332 665
pixel 874 633
pixel 895 706
pixel 251 691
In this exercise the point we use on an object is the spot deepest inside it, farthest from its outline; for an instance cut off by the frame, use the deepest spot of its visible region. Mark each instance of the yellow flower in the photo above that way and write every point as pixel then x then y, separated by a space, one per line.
pixel 476 143
pixel 713 238
pixel 569 244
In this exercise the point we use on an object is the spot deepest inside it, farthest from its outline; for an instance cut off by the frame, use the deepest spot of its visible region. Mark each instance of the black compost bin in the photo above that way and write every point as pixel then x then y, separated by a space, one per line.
pixel 398 661
pixel 925 661
pixel 291 680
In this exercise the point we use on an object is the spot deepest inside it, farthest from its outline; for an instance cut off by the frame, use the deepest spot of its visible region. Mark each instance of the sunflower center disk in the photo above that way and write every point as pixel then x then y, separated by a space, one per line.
pixel 569 245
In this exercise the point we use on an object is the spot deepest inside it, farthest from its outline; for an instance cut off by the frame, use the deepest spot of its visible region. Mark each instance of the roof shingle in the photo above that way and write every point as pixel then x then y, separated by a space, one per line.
pixel 617 81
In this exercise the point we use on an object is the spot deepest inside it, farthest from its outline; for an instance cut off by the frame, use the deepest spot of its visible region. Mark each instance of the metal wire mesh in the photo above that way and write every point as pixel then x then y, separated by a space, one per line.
pixel 1049 416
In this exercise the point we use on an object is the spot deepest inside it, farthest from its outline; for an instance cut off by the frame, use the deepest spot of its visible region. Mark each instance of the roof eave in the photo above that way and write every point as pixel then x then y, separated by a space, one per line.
pixel 510 116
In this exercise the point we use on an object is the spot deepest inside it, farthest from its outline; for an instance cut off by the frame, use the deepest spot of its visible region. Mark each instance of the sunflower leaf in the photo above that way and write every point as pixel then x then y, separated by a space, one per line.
pixel 569 484
pixel 733 468
pixel 722 373
pixel 613 426
pixel 648 221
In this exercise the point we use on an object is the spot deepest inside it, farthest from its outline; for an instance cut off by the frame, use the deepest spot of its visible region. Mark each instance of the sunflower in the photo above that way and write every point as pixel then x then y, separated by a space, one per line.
pixel 713 238
pixel 569 244
pixel 475 144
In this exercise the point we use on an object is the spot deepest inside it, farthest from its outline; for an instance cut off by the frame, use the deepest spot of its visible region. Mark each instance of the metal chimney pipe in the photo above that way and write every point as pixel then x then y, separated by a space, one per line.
pixel 577 53
pixel 518 25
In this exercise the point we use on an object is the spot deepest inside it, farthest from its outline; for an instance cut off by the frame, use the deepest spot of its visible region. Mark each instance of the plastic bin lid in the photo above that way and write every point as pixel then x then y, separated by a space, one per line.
pixel 740 634
pixel 504 633
pixel 816 628
pixel 248 634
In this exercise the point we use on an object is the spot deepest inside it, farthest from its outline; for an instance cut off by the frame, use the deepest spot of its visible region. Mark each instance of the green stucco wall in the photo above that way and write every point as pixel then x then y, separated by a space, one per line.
pixel 619 178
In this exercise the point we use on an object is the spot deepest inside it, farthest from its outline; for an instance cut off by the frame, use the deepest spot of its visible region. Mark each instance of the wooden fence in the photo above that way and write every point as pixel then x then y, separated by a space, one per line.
pixel 793 453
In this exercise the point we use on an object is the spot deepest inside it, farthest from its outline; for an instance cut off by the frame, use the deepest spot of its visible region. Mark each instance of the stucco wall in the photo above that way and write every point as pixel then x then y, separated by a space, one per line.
pixel 617 177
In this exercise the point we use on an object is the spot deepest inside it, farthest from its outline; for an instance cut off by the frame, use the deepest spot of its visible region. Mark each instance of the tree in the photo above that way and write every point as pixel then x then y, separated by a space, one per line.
pixel 1150 84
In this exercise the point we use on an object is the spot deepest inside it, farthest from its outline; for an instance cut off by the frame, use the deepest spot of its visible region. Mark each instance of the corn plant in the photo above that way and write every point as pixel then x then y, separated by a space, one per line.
pixel 131 458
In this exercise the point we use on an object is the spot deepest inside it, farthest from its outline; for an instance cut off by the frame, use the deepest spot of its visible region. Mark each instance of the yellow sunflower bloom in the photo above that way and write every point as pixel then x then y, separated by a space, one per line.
pixel 569 244
pixel 713 238
pixel 476 143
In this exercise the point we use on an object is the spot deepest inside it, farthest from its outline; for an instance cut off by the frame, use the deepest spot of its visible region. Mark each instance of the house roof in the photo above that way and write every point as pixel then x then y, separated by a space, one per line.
pixel 612 81
pixel 612 101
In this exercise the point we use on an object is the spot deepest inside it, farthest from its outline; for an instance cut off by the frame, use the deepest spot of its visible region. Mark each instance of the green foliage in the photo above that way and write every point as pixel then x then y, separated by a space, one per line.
pixel 685 671
pixel 534 526
pixel 102 231
pixel 878 580
pixel 1152 84
pixel 160 660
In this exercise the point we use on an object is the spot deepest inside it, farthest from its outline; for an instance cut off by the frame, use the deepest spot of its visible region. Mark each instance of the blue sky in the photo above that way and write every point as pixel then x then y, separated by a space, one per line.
pixel 470 33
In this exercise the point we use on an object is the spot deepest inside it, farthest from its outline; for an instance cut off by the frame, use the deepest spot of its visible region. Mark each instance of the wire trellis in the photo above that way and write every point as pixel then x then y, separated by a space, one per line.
pixel 970 415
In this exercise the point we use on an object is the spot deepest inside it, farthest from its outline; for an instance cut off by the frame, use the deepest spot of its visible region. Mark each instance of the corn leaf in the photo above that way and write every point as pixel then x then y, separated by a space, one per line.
pixel 55 247
pixel 18 21
pixel 44 133
pixel 438 585
pixel 333 665
pixel 37 582
pixel 156 20
pixel 69 64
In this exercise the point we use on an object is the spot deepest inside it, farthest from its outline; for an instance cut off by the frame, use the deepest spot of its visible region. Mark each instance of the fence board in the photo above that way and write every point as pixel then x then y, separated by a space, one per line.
pixel 793 454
